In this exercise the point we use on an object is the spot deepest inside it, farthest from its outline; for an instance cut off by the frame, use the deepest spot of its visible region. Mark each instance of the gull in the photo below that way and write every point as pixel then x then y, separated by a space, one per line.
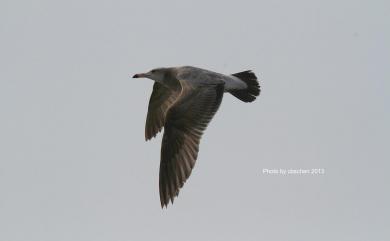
pixel 183 101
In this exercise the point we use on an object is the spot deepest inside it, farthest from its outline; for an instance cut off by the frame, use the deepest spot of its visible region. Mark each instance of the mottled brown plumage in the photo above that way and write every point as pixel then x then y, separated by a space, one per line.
pixel 185 122
pixel 160 100
pixel 183 101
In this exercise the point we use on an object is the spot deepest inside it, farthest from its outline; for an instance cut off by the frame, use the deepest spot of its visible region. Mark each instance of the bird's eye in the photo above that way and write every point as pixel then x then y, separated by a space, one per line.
pixel 153 71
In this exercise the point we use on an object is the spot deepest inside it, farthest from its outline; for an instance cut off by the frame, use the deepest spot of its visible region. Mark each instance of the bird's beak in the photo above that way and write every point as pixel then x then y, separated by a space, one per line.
pixel 142 75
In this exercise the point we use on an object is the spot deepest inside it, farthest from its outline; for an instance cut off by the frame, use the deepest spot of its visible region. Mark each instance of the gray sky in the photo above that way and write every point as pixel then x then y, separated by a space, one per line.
pixel 74 164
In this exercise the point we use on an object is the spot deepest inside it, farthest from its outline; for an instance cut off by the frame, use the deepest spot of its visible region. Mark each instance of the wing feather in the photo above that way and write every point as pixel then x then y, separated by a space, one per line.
pixel 185 122
pixel 160 101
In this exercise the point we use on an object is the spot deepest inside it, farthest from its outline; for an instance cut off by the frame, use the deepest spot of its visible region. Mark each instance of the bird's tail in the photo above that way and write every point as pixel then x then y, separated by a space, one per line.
pixel 252 91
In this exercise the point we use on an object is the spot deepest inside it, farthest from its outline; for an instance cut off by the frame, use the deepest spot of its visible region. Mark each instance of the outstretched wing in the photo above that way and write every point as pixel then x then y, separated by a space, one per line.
pixel 185 122
pixel 160 100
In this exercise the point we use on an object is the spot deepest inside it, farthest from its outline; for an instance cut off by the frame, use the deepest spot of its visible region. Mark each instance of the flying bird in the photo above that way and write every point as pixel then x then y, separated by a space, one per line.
pixel 183 101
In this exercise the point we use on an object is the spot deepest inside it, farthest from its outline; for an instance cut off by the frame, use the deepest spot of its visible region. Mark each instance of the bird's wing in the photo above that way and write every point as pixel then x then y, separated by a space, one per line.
pixel 160 100
pixel 185 122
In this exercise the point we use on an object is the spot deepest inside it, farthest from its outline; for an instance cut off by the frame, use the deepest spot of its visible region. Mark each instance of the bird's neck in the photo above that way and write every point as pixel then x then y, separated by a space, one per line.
pixel 170 81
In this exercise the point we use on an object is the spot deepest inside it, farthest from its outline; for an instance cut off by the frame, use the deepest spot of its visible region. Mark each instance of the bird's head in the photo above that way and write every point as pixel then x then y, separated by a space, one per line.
pixel 155 74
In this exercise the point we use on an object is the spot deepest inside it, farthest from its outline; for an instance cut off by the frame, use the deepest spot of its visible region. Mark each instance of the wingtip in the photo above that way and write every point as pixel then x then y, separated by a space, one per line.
pixel 164 205
pixel 149 137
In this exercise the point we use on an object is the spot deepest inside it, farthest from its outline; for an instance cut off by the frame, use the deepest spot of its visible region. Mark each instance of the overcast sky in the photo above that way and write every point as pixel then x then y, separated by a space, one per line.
pixel 74 164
